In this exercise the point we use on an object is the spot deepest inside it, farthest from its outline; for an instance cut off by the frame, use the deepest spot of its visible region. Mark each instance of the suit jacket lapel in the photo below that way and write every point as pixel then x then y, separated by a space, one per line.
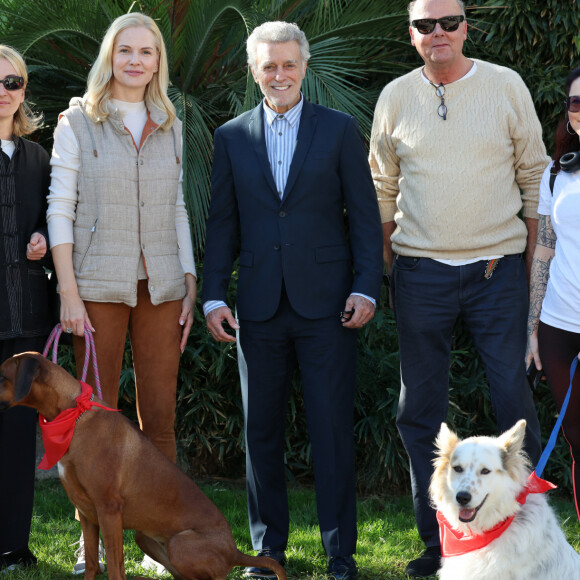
pixel 258 140
pixel 305 133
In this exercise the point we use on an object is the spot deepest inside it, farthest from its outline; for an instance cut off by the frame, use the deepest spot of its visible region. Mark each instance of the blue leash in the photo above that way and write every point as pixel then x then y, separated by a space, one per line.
pixel 554 435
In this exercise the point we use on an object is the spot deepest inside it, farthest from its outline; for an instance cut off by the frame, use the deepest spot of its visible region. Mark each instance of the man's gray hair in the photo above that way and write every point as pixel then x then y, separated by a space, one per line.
pixel 277 31
pixel 412 6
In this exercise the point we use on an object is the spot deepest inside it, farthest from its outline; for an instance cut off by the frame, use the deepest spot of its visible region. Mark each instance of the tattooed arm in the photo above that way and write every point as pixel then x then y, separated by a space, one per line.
pixel 543 255
pixel 531 241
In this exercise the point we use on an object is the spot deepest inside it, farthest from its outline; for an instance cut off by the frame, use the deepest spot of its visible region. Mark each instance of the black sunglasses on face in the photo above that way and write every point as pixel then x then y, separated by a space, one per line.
pixel 573 104
pixel 12 83
pixel 447 23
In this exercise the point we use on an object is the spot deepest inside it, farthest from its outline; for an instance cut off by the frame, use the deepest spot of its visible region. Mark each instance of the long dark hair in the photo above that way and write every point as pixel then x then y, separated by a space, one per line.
pixel 563 141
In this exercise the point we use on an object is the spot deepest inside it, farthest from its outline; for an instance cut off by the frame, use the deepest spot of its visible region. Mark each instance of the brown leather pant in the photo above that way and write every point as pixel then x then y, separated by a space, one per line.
pixel 155 333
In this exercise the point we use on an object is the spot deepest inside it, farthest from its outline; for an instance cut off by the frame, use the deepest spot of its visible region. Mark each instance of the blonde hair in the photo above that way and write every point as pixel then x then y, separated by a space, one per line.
pixel 25 120
pixel 100 79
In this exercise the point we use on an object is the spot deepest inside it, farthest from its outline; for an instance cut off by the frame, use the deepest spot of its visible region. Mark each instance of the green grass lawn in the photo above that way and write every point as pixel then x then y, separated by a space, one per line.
pixel 387 534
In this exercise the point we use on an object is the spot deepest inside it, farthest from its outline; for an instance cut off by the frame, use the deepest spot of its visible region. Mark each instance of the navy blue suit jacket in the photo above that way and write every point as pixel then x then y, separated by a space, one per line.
pixel 303 240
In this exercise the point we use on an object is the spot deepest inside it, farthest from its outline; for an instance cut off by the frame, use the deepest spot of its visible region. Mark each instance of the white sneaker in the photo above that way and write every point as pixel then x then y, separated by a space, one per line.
pixel 79 567
pixel 151 565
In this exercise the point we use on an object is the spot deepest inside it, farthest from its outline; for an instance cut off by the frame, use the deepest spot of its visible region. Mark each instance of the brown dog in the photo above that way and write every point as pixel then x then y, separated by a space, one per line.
pixel 118 479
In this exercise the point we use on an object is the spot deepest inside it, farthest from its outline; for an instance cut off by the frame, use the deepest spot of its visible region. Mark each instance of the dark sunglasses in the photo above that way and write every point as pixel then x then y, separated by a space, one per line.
pixel 447 23
pixel 12 83
pixel 573 104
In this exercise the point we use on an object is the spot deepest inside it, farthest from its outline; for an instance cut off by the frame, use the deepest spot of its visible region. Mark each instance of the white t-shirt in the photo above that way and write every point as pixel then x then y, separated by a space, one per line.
pixel 561 306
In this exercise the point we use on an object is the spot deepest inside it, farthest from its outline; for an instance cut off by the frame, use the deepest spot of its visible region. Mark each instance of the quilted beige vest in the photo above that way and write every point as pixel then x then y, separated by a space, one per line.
pixel 125 209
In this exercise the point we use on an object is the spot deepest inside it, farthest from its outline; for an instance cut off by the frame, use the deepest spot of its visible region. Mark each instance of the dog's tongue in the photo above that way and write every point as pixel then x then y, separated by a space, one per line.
pixel 466 515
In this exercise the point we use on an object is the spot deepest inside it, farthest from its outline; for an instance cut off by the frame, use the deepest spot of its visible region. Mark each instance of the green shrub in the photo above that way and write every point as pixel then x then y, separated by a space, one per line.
pixel 209 421
pixel 540 40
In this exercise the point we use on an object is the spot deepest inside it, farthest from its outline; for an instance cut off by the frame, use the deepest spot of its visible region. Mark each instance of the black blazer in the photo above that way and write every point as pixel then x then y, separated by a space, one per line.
pixel 304 239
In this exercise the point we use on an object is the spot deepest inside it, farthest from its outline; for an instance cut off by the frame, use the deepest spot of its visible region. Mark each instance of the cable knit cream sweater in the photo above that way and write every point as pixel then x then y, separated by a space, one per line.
pixel 455 187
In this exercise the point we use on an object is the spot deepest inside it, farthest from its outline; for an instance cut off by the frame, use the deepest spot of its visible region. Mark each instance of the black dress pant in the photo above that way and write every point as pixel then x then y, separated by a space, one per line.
pixel 326 354
pixel 17 459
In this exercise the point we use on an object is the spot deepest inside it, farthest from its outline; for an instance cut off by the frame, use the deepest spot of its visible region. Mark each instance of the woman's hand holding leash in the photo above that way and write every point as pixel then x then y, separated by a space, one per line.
pixel 73 314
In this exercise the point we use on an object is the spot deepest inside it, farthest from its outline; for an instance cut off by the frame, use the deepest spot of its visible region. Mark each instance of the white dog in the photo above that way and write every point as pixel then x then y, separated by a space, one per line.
pixel 475 487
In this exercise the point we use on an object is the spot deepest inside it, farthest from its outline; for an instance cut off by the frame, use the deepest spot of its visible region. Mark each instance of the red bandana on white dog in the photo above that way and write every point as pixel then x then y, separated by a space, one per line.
pixel 455 542
pixel 57 434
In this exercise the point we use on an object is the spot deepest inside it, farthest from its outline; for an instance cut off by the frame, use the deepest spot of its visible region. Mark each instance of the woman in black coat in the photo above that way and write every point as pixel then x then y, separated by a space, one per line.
pixel 25 316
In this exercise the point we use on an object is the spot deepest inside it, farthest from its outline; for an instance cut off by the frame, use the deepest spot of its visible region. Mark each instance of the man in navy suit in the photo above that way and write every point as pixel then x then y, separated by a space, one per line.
pixel 283 175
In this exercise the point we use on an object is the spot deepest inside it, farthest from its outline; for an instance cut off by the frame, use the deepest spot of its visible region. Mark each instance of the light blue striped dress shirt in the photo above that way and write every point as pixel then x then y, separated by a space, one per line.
pixel 281 133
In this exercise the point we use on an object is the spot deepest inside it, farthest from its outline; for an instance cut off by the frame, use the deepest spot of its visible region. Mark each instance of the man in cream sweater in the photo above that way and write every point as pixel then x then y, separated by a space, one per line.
pixel 456 152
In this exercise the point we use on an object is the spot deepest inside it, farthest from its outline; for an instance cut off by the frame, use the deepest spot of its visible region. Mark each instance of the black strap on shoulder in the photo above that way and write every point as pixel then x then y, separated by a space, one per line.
pixel 552 181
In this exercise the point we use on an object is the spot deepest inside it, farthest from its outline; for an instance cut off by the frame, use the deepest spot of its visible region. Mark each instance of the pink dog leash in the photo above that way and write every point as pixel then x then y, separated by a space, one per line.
pixel 89 350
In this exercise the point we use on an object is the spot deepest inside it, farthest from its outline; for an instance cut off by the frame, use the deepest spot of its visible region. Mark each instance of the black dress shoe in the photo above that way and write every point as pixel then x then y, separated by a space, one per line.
pixel 426 565
pixel 266 573
pixel 17 559
pixel 342 568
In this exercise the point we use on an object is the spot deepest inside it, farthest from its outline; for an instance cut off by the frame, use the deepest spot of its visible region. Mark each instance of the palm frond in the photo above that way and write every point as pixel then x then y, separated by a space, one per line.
pixel 197 154
pixel 212 31
pixel 354 44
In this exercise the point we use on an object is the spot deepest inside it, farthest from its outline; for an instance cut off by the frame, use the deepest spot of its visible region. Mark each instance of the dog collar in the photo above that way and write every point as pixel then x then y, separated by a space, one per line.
pixel 454 542
pixel 57 434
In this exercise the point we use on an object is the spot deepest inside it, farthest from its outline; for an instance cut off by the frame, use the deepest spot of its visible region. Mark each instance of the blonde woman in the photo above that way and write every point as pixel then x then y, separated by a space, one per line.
pixel 120 234
pixel 25 320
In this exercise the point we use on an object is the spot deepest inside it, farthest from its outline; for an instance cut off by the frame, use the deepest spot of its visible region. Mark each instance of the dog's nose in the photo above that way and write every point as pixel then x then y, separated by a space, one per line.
pixel 463 497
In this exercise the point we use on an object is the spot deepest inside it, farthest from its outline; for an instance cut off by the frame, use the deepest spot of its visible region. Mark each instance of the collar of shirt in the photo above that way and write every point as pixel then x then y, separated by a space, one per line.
pixel 8 147
pixel 292 116
pixel 468 74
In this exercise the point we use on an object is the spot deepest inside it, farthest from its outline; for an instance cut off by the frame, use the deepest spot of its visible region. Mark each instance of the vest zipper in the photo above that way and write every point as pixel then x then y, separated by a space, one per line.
pixel 90 243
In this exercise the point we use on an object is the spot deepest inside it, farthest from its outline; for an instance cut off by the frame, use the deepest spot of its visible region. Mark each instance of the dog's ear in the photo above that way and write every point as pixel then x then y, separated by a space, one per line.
pixel 446 440
pixel 27 367
pixel 512 442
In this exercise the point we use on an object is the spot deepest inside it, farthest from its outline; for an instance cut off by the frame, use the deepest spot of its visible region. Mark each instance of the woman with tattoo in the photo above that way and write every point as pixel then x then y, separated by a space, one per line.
pixel 554 315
